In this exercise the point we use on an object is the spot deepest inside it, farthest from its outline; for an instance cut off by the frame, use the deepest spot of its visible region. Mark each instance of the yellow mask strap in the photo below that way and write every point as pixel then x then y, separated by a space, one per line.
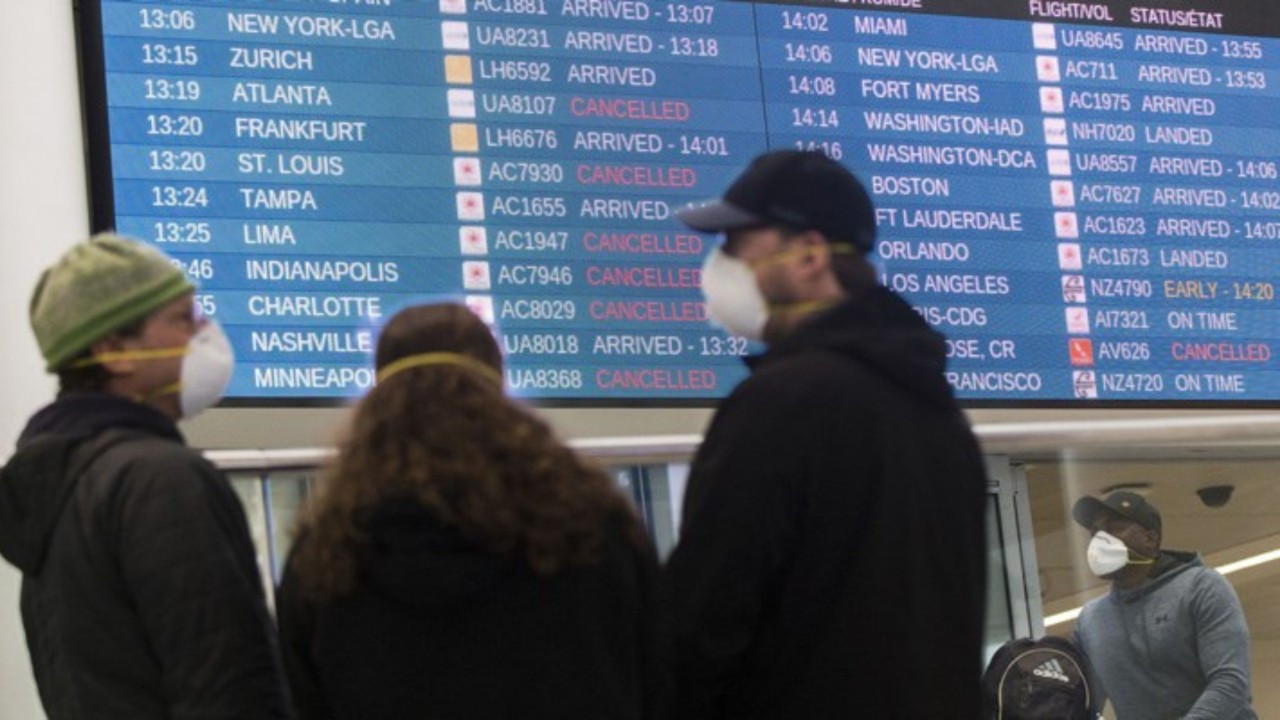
pixel 170 389
pixel 157 354
pixel 439 358
pixel 785 255
pixel 801 308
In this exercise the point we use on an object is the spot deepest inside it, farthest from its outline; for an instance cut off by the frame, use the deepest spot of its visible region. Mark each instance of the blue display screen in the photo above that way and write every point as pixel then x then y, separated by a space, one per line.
pixel 1083 197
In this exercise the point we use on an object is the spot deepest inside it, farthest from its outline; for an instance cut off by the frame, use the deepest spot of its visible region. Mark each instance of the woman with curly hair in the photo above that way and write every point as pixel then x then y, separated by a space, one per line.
pixel 459 562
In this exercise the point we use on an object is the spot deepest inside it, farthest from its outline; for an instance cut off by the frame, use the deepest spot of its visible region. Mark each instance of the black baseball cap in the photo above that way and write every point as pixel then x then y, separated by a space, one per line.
pixel 800 189
pixel 1121 502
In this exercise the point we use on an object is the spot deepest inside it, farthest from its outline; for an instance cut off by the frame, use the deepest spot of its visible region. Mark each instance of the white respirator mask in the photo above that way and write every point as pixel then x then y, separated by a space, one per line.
pixel 206 370
pixel 207 362
pixel 734 300
pixel 1107 554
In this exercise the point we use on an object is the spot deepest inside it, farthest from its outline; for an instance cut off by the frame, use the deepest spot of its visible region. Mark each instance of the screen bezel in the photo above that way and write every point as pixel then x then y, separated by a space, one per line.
pixel 92 63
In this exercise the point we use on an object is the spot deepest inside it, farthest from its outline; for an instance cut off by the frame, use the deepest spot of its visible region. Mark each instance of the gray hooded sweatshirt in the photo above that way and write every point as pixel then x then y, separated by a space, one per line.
pixel 1176 647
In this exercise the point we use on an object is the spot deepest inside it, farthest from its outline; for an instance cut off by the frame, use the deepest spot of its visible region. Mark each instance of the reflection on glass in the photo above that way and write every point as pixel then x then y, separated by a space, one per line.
pixel 999 625
pixel 656 489
pixel 248 488
pixel 1236 532
pixel 287 491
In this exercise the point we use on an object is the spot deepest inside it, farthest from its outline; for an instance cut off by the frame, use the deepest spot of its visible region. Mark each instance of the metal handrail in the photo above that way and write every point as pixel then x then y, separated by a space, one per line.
pixel 1208 431
pixel 995 438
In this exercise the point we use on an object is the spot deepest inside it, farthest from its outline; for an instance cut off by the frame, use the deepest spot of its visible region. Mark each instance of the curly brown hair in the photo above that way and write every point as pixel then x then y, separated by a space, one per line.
pixel 447 436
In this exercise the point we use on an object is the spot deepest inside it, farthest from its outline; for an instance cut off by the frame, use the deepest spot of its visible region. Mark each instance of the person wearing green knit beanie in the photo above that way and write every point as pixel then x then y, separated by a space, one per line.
pixel 140 593
pixel 97 288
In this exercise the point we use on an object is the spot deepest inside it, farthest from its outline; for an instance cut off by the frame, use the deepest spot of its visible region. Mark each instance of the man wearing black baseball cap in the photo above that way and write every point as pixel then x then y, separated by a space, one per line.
pixel 802 224
pixel 831 561
pixel 1170 638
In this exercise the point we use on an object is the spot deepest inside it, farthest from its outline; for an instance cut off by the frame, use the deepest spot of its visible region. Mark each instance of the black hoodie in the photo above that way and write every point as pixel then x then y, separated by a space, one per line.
pixel 831 561
pixel 439 627
pixel 140 594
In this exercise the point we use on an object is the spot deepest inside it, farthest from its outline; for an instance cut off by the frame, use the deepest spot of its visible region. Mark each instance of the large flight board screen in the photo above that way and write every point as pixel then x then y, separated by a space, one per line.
pixel 1084 197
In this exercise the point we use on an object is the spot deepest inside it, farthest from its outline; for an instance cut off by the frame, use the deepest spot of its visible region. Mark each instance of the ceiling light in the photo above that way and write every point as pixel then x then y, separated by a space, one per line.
pixel 1249 562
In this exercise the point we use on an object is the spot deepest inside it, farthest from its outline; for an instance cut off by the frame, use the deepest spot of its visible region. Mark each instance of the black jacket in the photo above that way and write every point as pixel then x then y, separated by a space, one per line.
pixel 831 558
pixel 440 629
pixel 140 594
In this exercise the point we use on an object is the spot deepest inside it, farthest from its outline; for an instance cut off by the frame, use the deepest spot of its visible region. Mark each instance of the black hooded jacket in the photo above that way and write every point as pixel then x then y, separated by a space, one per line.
pixel 831 561
pixel 140 593
pixel 438 627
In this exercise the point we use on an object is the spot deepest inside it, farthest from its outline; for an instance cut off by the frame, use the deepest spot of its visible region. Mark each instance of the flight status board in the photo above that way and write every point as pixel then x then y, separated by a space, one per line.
pixel 1083 197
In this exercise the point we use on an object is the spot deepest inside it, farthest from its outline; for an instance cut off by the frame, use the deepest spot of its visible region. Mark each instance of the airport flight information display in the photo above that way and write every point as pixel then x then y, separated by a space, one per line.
pixel 1083 197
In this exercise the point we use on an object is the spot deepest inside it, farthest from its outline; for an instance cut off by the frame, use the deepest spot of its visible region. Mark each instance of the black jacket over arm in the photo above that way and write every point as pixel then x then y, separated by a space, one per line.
pixel 831 560
pixel 438 627
pixel 140 596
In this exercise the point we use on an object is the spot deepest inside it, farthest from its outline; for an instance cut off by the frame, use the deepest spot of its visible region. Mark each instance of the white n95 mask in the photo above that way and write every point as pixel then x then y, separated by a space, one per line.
pixel 1108 554
pixel 734 300
pixel 206 370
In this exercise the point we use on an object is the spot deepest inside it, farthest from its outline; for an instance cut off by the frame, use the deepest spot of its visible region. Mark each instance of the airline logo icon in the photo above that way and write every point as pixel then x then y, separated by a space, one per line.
pixel 466 171
pixel 455 35
pixel 1055 131
pixel 462 103
pixel 1059 162
pixel 1051 100
pixel 481 305
pixel 1066 226
pixel 1085 383
pixel 1046 68
pixel 457 69
pixel 473 240
pixel 1063 193
pixel 1081 351
pixel 1069 257
pixel 464 137
pixel 1073 289
pixel 1078 320
pixel 1043 36
pixel 475 275
pixel 470 206
pixel 457 7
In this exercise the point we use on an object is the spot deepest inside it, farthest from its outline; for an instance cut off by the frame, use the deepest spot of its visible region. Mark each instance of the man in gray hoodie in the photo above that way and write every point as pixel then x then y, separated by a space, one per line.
pixel 1169 640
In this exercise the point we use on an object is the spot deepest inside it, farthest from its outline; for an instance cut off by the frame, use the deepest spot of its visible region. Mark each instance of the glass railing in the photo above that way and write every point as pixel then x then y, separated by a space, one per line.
pixel 273 484
pixel 1216 481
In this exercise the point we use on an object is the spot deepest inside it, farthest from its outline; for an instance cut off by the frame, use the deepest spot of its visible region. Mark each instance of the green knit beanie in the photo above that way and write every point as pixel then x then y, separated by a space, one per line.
pixel 96 288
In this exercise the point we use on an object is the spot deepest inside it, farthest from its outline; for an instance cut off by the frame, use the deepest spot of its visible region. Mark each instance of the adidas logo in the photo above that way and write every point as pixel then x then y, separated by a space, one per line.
pixel 1052 670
